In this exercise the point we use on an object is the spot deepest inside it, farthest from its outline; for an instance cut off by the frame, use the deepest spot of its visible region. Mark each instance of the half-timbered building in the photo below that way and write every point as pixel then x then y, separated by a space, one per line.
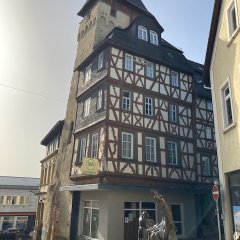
pixel 142 121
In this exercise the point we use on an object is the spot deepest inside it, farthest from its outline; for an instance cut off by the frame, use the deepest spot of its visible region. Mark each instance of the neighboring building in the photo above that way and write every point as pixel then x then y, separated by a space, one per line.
pixel 222 73
pixel 51 141
pixel 138 118
pixel 18 202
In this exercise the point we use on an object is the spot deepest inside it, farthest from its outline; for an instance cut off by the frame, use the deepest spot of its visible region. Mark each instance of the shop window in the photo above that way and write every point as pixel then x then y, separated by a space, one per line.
pixel 177 218
pixel 8 222
pixel 90 219
pixel 234 190
pixel 21 223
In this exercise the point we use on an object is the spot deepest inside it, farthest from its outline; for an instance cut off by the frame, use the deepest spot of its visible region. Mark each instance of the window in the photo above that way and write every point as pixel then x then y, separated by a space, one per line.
pixel 173 113
pixel 100 60
pixel 232 19
pixel 82 150
pixel 209 105
pixel 126 100
pixel 227 106
pixel 94 146
pixel 127 145
pixel 177 218
pixel 133 210
pixel 153 37
pixel 129 62
pixel 172 153
pixel 142 33
pixel 148 106
pixel 208 133
pixel 150 144
pixel 99 99
pixel 8 222
pixel 90 219
pixel 150 70
pixel 21 223
pixel 1 200
pixel 88 73
pixel 205 166
pixel 86 107
pixel 174 79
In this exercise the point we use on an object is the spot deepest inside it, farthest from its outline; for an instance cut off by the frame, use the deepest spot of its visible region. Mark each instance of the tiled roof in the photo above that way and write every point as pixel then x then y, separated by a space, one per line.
pixel 19 181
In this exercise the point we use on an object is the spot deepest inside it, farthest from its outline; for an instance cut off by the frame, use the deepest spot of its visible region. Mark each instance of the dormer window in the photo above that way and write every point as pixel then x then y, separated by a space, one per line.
pixel 153 37
pixel 142 33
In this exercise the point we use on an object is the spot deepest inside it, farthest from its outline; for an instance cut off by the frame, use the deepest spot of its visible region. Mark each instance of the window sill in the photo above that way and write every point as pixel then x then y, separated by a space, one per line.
pixel 233 36
pixel 228 128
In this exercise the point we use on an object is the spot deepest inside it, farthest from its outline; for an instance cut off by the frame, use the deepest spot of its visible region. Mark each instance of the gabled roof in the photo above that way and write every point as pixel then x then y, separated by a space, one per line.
pixel 52 133
pixel 137 4
pixel 211 41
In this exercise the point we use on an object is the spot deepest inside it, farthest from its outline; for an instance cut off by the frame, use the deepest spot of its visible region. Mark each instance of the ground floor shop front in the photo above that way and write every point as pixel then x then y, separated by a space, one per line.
pixel 114 214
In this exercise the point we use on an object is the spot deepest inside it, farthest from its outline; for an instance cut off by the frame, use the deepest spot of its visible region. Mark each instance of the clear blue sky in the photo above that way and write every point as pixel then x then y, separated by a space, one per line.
pixel 37 51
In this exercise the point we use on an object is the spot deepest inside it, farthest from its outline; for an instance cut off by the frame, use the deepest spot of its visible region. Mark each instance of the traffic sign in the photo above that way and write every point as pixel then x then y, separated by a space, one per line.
pixel 215 192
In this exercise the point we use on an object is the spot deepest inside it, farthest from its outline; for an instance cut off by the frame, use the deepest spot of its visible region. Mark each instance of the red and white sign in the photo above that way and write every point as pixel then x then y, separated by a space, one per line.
pixel 215 192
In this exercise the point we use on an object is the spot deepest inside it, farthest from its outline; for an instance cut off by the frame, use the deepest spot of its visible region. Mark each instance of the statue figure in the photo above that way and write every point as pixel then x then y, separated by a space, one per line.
pixel 165 230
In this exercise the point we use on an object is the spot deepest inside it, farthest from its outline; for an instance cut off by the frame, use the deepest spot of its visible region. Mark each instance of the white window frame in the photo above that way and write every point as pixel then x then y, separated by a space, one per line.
pixel 150 69
pixel 99 99
pixel 153 37
pixel 174 79
pixel 82 149
pixel 94 145
pixel 126 101
pixel 128 62
pixel 173 113
pixel 100 60
pixel 142 33
pixel 148 106
pixel 150 148
pixel 231 31
pixel 88 73
pixel 206 166
pixel 173 149
pixel 91 207
pixel 127 150
pixel 86 107
pixel 182 217
pixel 208 133
pixel 225 106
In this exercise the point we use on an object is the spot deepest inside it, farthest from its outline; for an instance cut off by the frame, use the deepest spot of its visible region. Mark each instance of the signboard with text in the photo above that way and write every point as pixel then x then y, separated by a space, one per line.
pixel 90 166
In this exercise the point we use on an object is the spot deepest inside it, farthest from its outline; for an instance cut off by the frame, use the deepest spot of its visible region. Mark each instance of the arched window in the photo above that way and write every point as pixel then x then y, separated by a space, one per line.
pixel 142 33
pixel 153 37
